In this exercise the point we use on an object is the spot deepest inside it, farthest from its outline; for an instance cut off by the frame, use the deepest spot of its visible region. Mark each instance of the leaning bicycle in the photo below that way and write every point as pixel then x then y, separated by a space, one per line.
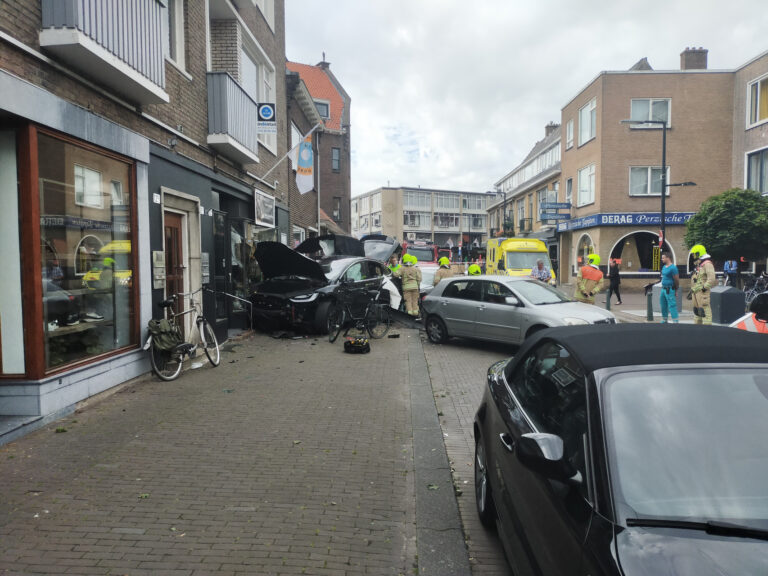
pixel 166 343
pixel 370 315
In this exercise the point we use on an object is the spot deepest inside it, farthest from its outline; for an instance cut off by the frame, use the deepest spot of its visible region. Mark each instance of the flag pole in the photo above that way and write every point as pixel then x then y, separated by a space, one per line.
pixel 315 127
pixel 318 184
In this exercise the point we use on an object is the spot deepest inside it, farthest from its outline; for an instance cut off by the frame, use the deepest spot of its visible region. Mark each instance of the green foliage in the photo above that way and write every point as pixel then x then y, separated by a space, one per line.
pixel 731 224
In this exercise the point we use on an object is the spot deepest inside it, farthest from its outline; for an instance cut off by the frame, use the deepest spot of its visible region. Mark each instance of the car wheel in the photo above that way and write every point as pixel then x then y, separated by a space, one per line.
pixel 436 330
pixel 320 323
pixel 533 330
pixel 486 510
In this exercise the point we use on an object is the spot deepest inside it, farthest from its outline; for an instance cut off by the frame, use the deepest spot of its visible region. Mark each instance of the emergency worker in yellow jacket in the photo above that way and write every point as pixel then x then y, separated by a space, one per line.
pixel 410 273
pixel 443 272
pixel 702 281
pixel 589 280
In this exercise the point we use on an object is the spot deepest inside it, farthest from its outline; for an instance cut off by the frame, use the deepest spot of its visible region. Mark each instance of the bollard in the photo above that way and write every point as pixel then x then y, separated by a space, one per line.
pixel 607 301
pixel 649 306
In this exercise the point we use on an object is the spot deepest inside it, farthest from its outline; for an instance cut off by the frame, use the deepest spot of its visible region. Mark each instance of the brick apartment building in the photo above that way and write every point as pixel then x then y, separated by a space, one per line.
pixel 610 170
pixel 332 145
pixel 445 217
pixel 130 127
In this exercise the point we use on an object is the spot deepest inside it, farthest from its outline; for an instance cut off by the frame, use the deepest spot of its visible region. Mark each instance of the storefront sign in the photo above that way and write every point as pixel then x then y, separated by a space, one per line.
pixel 625 219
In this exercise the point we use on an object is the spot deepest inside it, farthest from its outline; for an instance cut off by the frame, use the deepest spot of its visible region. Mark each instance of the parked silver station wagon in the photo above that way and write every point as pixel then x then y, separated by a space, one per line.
pixel 502 309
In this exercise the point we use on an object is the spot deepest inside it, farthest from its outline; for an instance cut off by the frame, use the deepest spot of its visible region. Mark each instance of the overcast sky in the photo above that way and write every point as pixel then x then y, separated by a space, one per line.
pixel 453 95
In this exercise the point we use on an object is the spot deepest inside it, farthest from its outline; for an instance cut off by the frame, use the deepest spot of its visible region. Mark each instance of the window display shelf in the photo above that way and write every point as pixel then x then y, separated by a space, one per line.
pixel 81 327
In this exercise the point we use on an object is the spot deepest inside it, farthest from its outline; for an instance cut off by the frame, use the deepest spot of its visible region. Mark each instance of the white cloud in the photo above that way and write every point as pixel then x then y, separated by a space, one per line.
pixel 453 95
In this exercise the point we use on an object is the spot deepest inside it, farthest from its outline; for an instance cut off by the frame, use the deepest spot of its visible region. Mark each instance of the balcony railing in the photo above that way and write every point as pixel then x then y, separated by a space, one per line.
pixel 232 119
pixel 119 43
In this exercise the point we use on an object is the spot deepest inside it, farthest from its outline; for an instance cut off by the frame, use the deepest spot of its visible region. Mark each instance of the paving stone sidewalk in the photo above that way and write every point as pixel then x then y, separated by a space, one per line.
pixel 291 458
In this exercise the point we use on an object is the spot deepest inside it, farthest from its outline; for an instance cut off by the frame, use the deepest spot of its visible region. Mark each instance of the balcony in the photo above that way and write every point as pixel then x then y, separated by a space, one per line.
pixel 232 119
pixel 117 43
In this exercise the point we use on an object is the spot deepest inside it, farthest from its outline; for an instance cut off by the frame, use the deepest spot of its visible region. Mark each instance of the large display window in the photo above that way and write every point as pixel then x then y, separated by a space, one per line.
pixel 86 243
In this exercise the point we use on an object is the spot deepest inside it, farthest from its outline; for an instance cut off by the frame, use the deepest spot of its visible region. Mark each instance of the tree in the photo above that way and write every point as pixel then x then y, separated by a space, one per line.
pixel 731 224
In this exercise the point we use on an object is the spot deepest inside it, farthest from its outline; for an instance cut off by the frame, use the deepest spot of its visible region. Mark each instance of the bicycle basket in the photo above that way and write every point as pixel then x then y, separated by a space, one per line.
pixel 164 336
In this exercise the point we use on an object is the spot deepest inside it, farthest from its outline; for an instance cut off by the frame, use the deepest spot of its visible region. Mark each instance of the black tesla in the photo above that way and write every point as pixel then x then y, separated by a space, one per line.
pixel 628 449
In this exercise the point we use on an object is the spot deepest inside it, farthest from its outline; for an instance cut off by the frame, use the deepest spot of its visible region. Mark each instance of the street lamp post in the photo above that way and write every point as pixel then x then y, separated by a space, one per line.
pixel 664 185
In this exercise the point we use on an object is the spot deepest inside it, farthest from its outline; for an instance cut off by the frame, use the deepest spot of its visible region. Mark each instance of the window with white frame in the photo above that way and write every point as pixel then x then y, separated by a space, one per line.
pixel 365 202
pixel 296 136
pixel 376 220
pixel 541 197
pixel 117 193
pixel 472 221
pixel 416 219
pixel 174 27
pixel 336 159
pixel 336 208
pixel 656 109
pixel 520 210
pixel 445 201
pixel 353 205
pixel 757 171
pixel 257 79
pixel 267 8
pixel 588 122
pixel 299 234
pixel 569 134
pixel 414 200
pixel 586 192
pixel 758 100
pixel 88 187
pixel 569 190
pixel 646 181
pixel 473 203
pixel 446 220
pixel 376 202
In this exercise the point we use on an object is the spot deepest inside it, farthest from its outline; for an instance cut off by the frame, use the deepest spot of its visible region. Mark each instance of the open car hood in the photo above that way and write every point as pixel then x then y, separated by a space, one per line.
pixel 331 245
pixel 380 247
pixel 277 260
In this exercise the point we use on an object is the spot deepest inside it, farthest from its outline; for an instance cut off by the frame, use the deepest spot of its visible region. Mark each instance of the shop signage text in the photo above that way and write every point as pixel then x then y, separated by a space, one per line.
pixel 625 219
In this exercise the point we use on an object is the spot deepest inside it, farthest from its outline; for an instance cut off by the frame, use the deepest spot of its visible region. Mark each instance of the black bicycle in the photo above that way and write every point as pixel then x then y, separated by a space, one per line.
pixel 361 309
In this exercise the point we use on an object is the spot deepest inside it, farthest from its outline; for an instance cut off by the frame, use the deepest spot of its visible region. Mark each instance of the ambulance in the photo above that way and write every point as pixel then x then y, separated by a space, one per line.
pixel 516 256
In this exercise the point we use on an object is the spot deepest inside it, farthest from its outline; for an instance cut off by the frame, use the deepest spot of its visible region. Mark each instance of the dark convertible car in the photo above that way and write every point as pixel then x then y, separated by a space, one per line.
pixel 628 449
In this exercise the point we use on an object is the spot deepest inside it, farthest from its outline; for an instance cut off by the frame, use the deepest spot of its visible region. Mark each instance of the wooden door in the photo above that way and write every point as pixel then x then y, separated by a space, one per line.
pixel 174 255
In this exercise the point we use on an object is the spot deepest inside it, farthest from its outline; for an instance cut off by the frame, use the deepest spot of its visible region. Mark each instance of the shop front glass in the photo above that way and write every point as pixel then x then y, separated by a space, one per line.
pixel 86 203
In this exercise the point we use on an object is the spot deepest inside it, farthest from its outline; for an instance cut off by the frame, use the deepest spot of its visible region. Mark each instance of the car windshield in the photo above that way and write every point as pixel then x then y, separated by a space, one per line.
pixel 689 444
pixel 428 275
pixel 377 250
pixel 538 293
pixel 423 253
pixel 526 260
pixel 334 268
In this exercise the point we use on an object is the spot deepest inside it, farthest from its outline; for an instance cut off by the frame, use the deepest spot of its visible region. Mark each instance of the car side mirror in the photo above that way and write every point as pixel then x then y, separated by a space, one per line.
pixel 512 301
pixel 501 265
pixel 545 454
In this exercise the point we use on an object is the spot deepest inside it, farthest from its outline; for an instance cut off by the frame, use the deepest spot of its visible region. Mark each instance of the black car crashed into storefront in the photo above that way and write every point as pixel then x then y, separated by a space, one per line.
pixel 298 291
pixel 628 449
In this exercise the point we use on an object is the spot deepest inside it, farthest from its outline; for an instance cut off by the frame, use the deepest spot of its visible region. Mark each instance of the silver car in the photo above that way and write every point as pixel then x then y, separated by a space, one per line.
pixel 502 309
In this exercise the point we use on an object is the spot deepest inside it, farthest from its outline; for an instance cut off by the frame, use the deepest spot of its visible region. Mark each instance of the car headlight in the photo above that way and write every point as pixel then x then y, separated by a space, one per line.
pixel 574 321
pixel 304 298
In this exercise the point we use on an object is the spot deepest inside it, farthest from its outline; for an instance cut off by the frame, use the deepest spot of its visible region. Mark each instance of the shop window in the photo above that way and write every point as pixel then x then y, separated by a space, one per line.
pixel 87 238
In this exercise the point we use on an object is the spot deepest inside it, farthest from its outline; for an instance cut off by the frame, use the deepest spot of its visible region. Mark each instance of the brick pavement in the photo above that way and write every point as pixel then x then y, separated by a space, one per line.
pixel 291 458
pixel 457 370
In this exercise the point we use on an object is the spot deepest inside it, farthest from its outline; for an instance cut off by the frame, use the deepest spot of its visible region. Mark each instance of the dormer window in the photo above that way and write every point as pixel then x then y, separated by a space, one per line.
pixel 323 108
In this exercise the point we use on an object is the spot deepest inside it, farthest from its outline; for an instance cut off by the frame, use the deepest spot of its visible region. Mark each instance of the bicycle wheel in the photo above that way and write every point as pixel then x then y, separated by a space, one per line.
pixel 379 321
pixel 335 322
pixel 165 363
pixel 211 344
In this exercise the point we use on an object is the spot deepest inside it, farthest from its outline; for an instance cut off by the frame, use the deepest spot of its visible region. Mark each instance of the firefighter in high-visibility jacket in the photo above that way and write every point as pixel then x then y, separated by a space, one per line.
pixel 702 281
pixel 411 276
pixel 443 272
pixel 589 280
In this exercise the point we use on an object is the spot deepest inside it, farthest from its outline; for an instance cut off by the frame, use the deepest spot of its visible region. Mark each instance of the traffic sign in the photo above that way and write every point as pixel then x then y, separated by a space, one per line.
pixel 555 205
pixel 554 216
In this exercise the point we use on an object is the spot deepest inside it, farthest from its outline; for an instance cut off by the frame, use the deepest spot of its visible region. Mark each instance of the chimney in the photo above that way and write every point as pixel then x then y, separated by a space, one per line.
pixel 549 128
pixel 693 59
pixel 324 65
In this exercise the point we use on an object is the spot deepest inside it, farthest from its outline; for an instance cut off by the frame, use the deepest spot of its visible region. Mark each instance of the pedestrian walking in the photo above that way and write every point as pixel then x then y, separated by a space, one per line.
pixel 541 272
pixel 443 272
pixel 589 280
pixel 670 284
pixel 614 280
pixel 702 281
pixel 411 277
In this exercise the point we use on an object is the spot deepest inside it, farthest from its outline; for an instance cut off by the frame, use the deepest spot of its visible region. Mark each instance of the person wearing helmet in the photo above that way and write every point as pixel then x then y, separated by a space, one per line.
pixel 589 280
pixel 702 281
pixel 410 274
pixel 444 271
pixel 474 270
pixel 756 320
